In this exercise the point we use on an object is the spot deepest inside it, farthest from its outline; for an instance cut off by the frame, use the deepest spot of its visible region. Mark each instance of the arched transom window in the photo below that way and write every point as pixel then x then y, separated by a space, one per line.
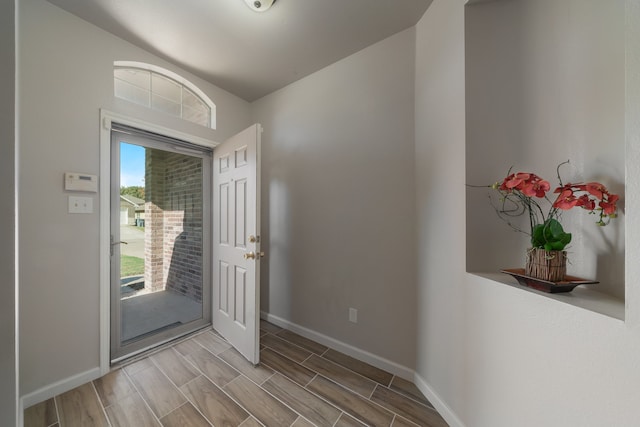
pixel 163 90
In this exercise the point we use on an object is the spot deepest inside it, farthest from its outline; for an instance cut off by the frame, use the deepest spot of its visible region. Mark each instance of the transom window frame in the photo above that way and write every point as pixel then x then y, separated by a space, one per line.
pixel 167 74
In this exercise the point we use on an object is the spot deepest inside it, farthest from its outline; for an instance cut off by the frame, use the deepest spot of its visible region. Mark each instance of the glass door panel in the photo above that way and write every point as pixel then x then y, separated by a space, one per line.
pixel 160 220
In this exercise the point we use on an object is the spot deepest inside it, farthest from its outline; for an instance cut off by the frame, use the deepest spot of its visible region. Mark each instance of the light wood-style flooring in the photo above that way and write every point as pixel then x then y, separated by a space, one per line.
pixel 203 381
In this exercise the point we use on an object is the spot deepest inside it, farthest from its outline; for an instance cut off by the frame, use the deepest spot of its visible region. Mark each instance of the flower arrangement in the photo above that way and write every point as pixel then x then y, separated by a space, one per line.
pixel 522 192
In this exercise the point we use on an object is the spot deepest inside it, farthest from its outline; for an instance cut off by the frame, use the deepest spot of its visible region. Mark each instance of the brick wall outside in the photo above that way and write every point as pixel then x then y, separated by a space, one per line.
pixel 173 211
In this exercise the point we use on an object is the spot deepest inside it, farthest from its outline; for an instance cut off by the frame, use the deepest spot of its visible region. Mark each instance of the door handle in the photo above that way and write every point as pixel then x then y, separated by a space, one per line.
pixel 115 243
pixel 253 255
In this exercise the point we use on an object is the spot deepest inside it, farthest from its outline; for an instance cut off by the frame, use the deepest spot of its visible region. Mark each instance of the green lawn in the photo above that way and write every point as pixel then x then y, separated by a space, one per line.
pixel 131 266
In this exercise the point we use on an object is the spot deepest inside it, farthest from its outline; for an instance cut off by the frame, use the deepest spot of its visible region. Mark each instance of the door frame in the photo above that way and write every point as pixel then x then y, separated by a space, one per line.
pixel 106 118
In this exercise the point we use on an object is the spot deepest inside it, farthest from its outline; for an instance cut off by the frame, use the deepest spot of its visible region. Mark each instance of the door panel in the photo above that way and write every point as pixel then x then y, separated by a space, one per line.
pixel 236 251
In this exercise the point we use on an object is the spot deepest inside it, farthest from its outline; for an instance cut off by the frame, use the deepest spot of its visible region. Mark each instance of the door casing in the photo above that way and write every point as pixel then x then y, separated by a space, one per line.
pixel 106 120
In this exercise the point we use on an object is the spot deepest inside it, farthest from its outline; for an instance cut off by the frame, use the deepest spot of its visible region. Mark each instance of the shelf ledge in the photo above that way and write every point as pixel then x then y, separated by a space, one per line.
pixel 582 297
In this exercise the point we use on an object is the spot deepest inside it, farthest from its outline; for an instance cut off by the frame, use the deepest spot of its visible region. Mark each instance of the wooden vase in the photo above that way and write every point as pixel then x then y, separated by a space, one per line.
pixel 546 265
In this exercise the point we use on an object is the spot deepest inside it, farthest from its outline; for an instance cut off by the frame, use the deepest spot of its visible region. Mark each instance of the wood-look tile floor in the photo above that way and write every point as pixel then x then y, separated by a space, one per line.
pixel 203 381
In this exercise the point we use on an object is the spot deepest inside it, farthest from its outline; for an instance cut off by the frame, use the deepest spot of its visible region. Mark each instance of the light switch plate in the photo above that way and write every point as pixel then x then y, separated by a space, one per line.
pixel 80 205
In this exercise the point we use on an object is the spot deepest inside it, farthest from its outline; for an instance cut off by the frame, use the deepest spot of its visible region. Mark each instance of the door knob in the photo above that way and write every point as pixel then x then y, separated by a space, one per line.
pixel 249 255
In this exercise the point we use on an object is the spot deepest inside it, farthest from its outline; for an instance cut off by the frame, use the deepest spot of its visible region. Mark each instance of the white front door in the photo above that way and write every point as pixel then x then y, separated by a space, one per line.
pixel 236 236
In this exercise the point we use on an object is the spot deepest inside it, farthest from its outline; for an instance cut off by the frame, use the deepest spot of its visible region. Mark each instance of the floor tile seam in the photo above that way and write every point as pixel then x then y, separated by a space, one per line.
pixel 135 387
pixel 223 389
pixel 193 406
pixel 251 417
pixel 183 359
pixel 247 377
pixel 315 395
pixel 322 398
pixel 203 374
pixel 276 371
pixel 359 395
pixel 346 386
pixel 270 394
pixel 168 379
pixel 356 372
pixel 209 350
pixel 55 405
pixel 242 373
pixel 153 414
pixel 284 355
pixel 292 344
pixel 375 383
pixel 407 396
pixel 407 420
pixel 404 415
pixel 300 345
pixel 119 398
pixel 104 411
pixel 193 403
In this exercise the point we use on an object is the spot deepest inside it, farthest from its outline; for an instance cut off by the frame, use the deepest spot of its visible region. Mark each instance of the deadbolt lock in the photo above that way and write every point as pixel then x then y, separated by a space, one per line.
pixel 254 239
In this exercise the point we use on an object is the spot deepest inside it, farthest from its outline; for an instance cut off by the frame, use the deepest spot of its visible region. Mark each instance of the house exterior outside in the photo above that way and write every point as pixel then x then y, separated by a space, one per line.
pixel 131 210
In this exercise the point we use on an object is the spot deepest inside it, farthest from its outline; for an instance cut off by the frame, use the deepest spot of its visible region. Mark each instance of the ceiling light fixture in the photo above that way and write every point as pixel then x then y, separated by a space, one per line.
pixel 259 5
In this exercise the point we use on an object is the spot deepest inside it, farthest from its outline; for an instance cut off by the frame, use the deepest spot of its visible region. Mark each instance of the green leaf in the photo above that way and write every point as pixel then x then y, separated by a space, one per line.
pixel 550 235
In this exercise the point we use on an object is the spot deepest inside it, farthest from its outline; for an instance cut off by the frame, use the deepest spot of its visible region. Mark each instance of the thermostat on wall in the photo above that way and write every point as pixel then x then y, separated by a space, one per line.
pixel 74 181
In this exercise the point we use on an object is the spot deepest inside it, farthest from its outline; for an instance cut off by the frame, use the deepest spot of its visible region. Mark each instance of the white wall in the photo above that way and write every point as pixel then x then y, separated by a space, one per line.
pixel 496 355
pixel 338 208
pixel 65 78
pixel 8 390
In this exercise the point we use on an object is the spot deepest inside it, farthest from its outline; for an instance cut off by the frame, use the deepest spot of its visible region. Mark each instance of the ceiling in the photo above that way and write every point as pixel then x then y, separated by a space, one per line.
pixel 247 53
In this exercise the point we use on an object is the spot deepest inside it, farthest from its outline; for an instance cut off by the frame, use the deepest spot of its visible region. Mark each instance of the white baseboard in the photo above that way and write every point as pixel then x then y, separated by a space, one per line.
pixel 362 355
pixel 58 387
pixel 443 409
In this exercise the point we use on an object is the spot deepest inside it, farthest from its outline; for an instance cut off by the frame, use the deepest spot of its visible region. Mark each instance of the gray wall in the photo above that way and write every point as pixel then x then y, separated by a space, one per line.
pixel 8 391
pixel 337 206
pixel 66 76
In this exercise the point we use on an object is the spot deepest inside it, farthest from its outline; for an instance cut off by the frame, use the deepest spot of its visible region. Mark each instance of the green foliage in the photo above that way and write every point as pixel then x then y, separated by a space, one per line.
pixel 134 190
pixel 131 266
pixel 550 236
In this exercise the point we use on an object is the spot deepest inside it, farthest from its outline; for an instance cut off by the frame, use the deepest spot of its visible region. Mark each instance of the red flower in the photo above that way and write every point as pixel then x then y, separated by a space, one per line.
pixel 609 206
pixel 586 203
pixel 566 200
pixel 595 189
pixel 528 183
pixel 536 187
pixel 515 180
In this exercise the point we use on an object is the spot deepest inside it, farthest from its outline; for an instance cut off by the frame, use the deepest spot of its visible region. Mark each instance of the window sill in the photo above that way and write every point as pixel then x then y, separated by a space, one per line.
pixel 582 296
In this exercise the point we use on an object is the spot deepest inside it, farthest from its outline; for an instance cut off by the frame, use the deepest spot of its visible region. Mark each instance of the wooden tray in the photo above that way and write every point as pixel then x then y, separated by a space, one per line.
pixel 566 285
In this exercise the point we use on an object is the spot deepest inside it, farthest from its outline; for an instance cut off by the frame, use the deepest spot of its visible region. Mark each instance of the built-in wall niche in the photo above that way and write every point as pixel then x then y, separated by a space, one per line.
pixel 545 82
